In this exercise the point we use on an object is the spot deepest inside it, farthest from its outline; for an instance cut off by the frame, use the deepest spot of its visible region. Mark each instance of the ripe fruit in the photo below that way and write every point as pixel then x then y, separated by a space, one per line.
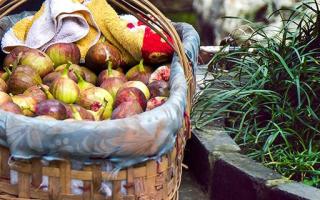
pixel 139 85
pixel 22 78
pixel 131 94
pixel 11 107
pixel 112 85
pixel 93 98
pixel 159 88
pixel 109 73
pixel 126 109
pixel 73 69
pixel 38 61
pixel 89 76
pixel 52 108
pixel 3 86
pixel 4 98
pixel 156 102
pixel 27 104
pixel 99 53
pixel 13 57
pixel 36 92
pixel 139 73
pixel 64 88
pixel 161 73
pixel 62 53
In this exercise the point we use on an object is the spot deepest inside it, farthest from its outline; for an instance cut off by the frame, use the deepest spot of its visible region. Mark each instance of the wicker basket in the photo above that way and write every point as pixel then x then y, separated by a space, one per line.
pixel 146 181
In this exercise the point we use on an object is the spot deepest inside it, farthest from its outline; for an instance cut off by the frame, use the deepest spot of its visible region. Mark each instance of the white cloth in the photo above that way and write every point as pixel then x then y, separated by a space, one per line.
pixel 60 22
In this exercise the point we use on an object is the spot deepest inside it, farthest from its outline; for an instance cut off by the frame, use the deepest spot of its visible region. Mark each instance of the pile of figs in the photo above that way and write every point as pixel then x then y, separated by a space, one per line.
pixel 54 85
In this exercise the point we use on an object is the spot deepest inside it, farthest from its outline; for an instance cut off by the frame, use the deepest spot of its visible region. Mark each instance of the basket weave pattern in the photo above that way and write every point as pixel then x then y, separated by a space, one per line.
pixel 151 180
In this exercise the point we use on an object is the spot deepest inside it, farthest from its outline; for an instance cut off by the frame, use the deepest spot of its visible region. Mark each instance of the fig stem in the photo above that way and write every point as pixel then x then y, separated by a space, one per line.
pixel 109 68
pixel 79 77
pixel 140 66
pixel 66 69
pixel 48 94
pixel 75 113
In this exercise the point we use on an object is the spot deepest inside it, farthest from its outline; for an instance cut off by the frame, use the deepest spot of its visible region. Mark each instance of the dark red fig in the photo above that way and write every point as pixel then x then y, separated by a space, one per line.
pixel 89 76
pixel 62 53
pixel 161 73
pixel 131 94
pixel 36 93
pixel 139 72
pixel 22 78
pixel 112 85
pixel 99 53
pixel 51 108
pixel 126 109
pixel 11 107
pixel 159 88
pixel 109 73
pixel 13 57
pixel 156 102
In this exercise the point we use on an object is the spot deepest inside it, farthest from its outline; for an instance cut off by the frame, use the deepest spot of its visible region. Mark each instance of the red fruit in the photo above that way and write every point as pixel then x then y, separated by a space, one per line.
pixel 13 57
pixel 126 109
pixel 139 72
pixel 11 107
pixel 112 85
pixel 89 76
pixel 159 88
pixel 161 73
pixel 109 73
pixel 131 94
pixel 156 102
pixel 52 108
pixel 99 53
pixel 77 112
pixel 62 53
pixel 36 93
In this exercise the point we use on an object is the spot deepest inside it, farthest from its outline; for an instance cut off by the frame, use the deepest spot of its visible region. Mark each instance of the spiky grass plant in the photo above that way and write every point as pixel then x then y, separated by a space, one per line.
pixel 271 97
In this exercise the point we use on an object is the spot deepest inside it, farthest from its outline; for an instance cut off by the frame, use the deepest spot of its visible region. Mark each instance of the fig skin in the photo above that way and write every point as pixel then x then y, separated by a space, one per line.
pixel 73 69
pixel 3 86
pixel 156 102
pixel 4 98
pixel 93 98
pixel 65 89
pixel 112 85
pixel 99 53
pixel 139 72
pixel 62 53
pixel 77 112
pixel 38 61
pixel 11 107
pixel 36 93
pixel 13 57
pixel 139 85
pixel 89 76
pixel 22 78
pixel 110 73
pixel 159 88
pixel 52 108
pixel 131 94
pixel 126 109
pixel 161 73
pixel 26 103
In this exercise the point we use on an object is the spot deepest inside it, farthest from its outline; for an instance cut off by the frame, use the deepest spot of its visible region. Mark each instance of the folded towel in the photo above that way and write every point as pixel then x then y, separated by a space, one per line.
pixel 56 22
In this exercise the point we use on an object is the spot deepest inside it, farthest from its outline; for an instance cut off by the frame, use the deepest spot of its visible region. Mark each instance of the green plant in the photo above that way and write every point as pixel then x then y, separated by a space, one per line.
pixel 270 100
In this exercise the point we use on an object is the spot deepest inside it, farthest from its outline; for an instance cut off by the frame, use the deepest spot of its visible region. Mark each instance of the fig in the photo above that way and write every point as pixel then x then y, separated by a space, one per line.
pixel 65 89
pixel 4 75
pixel 139 85
pixel 52 108
pixel 22 78
pixel 36 93
pixel 38 61
pixel 159 88
pixel 161 73
pixel 89 76
pixel 14 56
pixel 131 94
pixel 112 85
pixel 11 107
pixel 108 73
pixel 126 109
pixel 3 86
pixel 139 72
pixel 27 104
pixel 93 98
pixel 78 113
pixel 4 98
pixel 156 102
pixel 73 69
pixel 62 53
pixel 82 84
pixel 99 53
